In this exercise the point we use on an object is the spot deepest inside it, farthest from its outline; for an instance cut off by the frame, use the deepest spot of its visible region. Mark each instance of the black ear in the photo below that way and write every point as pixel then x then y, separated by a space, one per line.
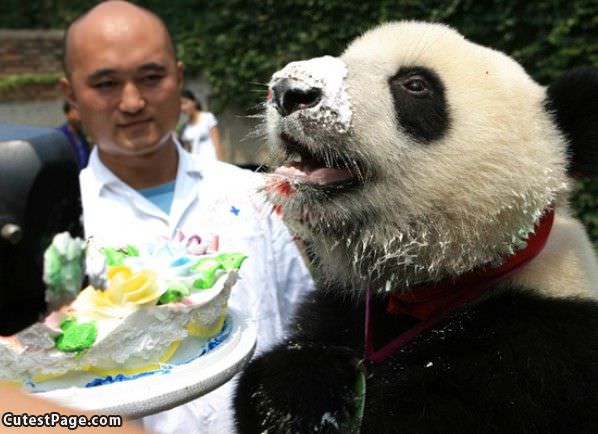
pixel 573 99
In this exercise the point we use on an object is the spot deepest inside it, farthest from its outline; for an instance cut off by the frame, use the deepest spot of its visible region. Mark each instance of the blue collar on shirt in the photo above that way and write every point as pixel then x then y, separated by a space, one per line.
pixel 160 195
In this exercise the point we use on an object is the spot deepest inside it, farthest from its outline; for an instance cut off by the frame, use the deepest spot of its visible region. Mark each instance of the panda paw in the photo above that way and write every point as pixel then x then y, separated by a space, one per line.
pixel 299 388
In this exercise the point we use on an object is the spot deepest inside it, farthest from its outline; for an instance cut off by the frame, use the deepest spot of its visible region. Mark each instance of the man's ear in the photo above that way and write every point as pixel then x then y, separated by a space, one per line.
pixel 67 90
pixel 573 101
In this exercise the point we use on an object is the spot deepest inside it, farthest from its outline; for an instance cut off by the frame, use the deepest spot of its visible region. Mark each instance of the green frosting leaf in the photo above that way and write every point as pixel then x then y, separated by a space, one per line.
pixel 175 292
pixel 116 256
pixel 231 261
pixel 206 264
pixel 113 256
pixel 209 269
pixel 131 250
pixel 76 337
pixel 206 280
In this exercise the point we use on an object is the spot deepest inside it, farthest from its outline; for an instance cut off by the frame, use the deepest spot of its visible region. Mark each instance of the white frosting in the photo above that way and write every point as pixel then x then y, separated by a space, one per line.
pixel 132 330
pixel 139 339
pixel 327 74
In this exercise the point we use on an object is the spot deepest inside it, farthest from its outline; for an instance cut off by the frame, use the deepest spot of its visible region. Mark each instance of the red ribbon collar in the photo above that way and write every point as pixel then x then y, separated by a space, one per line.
pixel 432 303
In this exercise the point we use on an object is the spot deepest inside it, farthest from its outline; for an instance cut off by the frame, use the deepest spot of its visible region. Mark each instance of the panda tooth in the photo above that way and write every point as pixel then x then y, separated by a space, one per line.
pixel 292 157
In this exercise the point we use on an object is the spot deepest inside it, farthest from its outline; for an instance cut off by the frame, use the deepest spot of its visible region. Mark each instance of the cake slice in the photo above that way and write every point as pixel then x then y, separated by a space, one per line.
pixel 144 301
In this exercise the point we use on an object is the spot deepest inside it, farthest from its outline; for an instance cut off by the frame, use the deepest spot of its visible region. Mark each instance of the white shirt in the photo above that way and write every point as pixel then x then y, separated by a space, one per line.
pixel 198 136
pixel 214 199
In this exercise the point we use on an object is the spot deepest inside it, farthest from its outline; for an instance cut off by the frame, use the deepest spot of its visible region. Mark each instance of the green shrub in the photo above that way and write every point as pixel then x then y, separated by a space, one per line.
pixel 15 81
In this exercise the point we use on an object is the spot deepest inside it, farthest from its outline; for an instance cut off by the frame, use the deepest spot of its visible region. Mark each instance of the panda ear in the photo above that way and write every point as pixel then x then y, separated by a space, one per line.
pixel 573 100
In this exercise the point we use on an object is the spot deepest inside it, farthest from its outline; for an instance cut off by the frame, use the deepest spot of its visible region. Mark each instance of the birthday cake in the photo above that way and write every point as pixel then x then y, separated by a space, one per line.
pixel 142 303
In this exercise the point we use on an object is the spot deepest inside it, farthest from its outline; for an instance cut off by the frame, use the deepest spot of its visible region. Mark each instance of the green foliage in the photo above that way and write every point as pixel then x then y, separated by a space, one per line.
pixel 11 82
pixel 40 14
pixel 237 44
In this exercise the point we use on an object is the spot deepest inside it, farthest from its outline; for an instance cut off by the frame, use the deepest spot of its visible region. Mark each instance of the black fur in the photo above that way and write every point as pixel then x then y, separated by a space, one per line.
pixel 513 363
pixel 421 110
pixel 574 101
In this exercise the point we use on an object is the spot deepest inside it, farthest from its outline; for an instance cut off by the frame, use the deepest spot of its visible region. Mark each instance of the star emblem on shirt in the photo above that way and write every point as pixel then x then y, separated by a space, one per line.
pixel 235 210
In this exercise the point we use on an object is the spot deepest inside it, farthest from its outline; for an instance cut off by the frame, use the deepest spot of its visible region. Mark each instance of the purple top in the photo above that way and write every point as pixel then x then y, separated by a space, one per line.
pixel 79 143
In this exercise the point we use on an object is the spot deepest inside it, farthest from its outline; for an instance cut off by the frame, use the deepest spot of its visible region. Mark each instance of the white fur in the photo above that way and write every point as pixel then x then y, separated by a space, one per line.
pixel 435 210
pixel 567 266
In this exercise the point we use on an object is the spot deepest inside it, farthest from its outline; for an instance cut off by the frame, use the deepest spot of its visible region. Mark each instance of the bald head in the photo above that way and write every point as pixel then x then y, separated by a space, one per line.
pixel 111 18
pixel 123 78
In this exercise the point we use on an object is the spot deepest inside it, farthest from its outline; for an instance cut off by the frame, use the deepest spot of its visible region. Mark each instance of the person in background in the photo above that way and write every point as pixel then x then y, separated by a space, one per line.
pixel 200 132
pixel 74 132
pixel 122 75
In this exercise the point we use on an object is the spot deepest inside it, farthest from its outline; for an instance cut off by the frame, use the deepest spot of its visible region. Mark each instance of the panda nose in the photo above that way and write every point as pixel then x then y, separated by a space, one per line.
pixel 288 96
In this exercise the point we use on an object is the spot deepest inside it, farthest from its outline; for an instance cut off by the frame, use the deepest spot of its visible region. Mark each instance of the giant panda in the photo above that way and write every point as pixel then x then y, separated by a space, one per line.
pixel 429 177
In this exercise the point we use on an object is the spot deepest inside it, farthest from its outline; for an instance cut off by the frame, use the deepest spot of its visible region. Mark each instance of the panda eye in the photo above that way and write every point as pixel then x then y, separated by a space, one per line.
pixel 416 85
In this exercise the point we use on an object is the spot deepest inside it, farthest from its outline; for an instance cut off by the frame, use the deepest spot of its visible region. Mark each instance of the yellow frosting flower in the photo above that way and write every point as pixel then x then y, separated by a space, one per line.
pixel 125 292
pixel 128 287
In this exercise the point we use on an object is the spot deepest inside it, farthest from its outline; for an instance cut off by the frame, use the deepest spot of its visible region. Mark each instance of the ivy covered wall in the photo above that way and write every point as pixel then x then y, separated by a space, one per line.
pixel 237 44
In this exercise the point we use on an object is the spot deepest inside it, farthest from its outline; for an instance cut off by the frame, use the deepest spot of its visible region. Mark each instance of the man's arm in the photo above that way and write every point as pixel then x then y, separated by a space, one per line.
pixel 215 137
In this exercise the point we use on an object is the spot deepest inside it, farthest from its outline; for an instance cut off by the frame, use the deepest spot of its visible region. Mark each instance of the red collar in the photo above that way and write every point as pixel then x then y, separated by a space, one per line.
pixel 432 303
pixel 429 300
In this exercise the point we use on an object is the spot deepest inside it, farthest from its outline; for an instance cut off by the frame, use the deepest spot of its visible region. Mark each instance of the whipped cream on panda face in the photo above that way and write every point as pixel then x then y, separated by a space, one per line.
pixel 327 74
pixel 330 112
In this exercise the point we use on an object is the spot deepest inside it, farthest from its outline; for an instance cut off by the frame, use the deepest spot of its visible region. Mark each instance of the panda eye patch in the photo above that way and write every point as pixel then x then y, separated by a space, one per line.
pixel 420 104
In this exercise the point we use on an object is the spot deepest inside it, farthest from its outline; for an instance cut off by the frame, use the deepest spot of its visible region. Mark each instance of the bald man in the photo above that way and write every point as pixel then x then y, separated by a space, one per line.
pixel 123 78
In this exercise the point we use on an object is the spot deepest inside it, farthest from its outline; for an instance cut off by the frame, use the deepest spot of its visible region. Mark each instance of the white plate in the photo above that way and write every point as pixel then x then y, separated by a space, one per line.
pixel 154 393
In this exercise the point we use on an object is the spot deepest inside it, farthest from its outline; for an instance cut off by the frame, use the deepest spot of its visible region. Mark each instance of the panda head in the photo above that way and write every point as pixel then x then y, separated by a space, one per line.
pixel 416 155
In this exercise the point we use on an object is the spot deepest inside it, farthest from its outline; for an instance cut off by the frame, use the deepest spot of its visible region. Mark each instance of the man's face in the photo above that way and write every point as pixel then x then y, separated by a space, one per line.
pixel 125 83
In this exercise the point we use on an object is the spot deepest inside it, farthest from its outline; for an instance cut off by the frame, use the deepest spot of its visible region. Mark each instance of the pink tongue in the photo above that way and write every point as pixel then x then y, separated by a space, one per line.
pixel 310 172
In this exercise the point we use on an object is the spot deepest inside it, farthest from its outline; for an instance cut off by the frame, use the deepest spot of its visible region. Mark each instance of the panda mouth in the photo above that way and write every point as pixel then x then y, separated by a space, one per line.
pixel 325 169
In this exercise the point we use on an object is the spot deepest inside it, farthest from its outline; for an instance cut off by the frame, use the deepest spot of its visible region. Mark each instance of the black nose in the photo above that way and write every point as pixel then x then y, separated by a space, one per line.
pixel 288 97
